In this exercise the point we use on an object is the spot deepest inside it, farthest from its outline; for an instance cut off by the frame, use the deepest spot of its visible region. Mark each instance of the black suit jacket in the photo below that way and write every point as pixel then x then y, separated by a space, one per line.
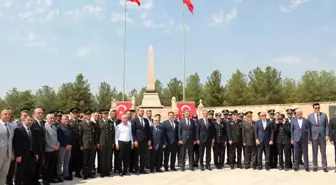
pixel 205 133
pixel 186 133
pixel 40 131
pixel 22 144
pixel 332 131
pixel 170 132
pixel 141 133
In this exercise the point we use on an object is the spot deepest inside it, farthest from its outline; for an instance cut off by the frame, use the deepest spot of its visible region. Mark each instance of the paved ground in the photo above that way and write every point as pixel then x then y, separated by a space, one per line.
pixel 226 176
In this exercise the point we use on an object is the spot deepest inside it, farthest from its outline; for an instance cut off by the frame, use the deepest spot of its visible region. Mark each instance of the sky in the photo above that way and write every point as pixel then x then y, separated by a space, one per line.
pixel 49 42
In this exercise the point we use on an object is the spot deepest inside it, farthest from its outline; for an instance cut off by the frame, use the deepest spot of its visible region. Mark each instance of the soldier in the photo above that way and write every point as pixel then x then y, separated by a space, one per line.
pixel 273 148
pixel 229 119
pixel 76 150
pixel 116 121
pixel 59 115
pixel 88 140
pixel 106 137
pixel 282 140
pixel 249 141
pixel 234 129
pixel 219 141
pixel 289 118
pixel 225 115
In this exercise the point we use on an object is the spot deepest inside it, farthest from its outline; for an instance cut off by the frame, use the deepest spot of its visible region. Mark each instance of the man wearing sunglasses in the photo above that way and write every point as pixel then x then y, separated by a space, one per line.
pixel 320 135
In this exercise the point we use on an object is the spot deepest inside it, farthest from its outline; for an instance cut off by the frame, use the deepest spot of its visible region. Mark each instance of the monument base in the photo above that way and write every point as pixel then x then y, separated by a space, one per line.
pixel 151 100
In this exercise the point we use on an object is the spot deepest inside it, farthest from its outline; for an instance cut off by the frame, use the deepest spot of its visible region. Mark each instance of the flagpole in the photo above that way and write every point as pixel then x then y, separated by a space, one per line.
pixel 124 67
pixel 184 52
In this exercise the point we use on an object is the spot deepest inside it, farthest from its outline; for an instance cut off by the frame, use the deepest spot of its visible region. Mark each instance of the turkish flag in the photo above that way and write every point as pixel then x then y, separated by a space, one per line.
pixel 122 107
pixel 189 5
pixel 183 106
pixel 135 1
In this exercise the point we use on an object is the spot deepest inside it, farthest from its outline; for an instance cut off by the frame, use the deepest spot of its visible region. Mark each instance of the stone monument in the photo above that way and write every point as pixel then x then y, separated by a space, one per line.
pixel 151 98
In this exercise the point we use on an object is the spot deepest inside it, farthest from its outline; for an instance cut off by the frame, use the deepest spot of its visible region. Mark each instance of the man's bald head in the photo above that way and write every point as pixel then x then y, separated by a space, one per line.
pixel 38 113
pixel 5 115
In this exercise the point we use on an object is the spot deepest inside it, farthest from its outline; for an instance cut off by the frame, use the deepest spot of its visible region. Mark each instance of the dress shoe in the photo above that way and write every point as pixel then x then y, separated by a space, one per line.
pixel 69 178
pixel 159 170
pixel 267 168
pixel 121 174
pixel 307 170
pixel 202 168
pixel 143 172
pixel 259 167
pixel 78 175
pixel 296 169
pixel 315 169
pixel 325 170
pixel 192 169
pixel 209 168
pixel 254 167
pixel 54 181
pixel 46 182
pixel 240 166
pixel 182 169
pixel 232 167
pixel 166 169
pixel 286 169
pixel 85 177
pixel 151 171
pixel 127 174
pixel 173 169
pixel 60 179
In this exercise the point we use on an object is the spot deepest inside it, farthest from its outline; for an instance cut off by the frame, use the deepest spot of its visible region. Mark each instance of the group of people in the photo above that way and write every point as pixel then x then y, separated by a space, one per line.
pixel 56 147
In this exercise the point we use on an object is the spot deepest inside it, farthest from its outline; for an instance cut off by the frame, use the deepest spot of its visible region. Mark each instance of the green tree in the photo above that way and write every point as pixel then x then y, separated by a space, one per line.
pixel 104 96
pixel 19 99
pixel 327 85
pixel 64 97
pixel 289 91
pixel 138 99
pixel 213 90
pixel 81 93
pixel 236 90
pixel 118 97
pixel 46 98
pixel 193 88
pixel 174 88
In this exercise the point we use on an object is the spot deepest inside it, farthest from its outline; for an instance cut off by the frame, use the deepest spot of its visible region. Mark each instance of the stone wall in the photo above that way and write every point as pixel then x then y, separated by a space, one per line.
pixel 327 107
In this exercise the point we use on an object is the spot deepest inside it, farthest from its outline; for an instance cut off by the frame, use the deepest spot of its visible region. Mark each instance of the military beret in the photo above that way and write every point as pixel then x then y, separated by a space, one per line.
pixel 234 112
pixel 225 112
pixel 271 111
pixel 195 116
pixel 211 112
pixel 248 113
pixel 87 112
pixel 218 114
pixel 289 111
pixel 24 109
pixel 75 110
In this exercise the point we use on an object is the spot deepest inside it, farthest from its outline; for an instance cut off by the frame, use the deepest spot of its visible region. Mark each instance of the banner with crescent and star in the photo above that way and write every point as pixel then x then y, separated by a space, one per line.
pixel 183 106
pixel 122 107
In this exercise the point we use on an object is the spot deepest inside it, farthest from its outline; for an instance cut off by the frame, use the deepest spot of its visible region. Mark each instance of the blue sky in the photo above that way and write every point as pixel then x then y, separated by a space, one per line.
pixel 48 42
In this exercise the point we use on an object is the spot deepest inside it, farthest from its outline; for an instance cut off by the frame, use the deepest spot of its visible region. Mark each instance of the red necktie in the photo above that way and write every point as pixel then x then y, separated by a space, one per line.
pixel 318 118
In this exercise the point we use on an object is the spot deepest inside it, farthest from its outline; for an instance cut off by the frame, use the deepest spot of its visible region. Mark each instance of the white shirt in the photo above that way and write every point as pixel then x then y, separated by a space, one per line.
pixel 123 133
pixel 315 114
pixel 300 122
pixel 26 128
pixel 172 123
pixel 187 121
pixel 264 124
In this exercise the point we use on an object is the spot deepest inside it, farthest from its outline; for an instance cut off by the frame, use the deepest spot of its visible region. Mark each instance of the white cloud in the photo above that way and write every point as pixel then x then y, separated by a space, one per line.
pixel 31 36
pixel 221 18
pixel 92 8
pixel 8 4
pixel 152 24
pixel 83 51
pixel 119 17
pixel 295 60
pixel 187 27
pixel 48 3
pixel 294 4
pixel 52 15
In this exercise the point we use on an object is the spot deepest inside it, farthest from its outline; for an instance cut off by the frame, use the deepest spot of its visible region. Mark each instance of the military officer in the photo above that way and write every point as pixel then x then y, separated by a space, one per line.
pixel 59 115
pixel 76 150
pixel 241 116
pixel 88 140
pixel 196 146
pixel 283 137
pixel 249 141
pixel 219 141
pixel 106 138
pixel 289 118
pixel 273 148
pixel 234 129
pixel 229 119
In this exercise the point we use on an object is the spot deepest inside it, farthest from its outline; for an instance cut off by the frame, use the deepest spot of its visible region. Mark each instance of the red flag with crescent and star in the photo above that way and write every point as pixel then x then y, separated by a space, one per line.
pixel 183 106
pixel 189 4
pixel 122 107
pixel 135 1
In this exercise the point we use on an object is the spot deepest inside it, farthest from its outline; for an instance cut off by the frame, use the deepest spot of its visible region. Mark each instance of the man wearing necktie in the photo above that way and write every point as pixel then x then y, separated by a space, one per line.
pixel 38 126
pixel 6 152
pixel 205 139
pixel 142 140
pixel 187 139
pixel 158 144
pixel 170 130
pixel 320 135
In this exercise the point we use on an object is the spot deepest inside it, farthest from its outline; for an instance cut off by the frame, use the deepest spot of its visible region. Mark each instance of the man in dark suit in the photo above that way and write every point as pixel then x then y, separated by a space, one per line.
pixel 300 137
pixel 196 149
pixel 27 151
pixel 170 131
pixel 142 140
pixel 264 138
pixel 332 134
pixel 205 138
pixel 116 121
pixel 282 140
pixel 38 126
pixel 320 135
pixel 187 138
pixel 158 144
pixel 273 148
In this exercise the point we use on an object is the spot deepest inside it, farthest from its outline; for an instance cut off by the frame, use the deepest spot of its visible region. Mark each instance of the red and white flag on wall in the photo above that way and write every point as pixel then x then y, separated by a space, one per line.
pixel 183 106
pixel 122 107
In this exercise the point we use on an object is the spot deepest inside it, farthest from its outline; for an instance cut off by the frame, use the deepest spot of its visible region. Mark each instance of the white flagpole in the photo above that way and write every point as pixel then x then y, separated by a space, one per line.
pixel 124 69
pixel 184 52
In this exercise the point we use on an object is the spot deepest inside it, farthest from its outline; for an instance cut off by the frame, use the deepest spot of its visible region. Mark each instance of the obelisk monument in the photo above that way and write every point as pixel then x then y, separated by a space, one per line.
pixel 151 96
